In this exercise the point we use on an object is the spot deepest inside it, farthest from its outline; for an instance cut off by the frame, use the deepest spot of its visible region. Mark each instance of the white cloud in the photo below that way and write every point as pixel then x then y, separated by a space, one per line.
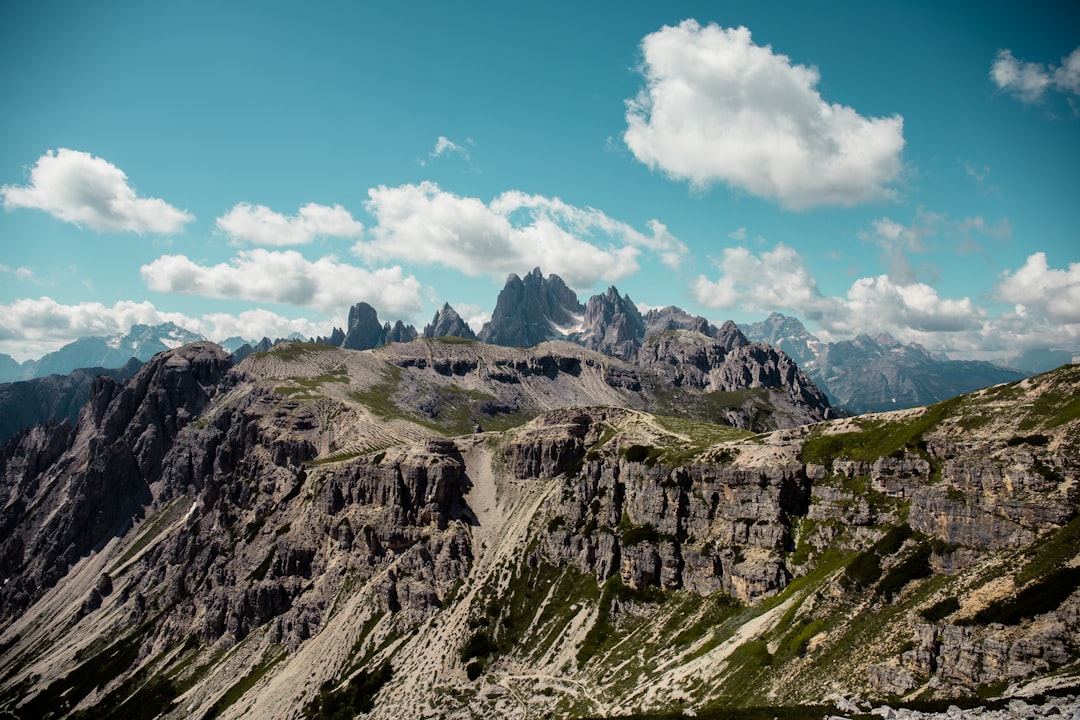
pixel 880 303
pixel 81 189
pixel 20 273
pixel 444 147
pixel 513 233
pixel 718 108
pixel 779 280
pixel 776 279
pixel 30 328
pixel 259 225
pixel 1031 81
pixel 287 277
pixel 897 240
pixel 1039 289
pixel 259 323
pixel 1046 312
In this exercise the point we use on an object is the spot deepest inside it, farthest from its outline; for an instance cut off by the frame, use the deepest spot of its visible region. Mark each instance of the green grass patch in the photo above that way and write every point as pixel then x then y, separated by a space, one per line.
pixel 294 350
pixel 453 340
pixel 701 433
pixel 710 406
pixel 940 610
pixel 377 397
pixel 1051 551
pixel 337 457
pixel 154 525
pixel 1053 409
pixel 914 567
pixel 356 697
pixel 1037 598
pixel 796 642
pixel 97 671
pixel 602 633
pixel 637 534
pixel 717 609
pixel 878 438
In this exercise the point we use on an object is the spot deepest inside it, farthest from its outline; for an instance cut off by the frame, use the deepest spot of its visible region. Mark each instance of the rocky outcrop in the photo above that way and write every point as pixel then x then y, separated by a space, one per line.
pixel 531 310
pixel 667 319
pixel 94 488
pixel 612 325
pixel 687 359
pixel 56 398
pixel 973 656
pixel 447 323
pixel 705 527
pixel 399 333
pixel 363 331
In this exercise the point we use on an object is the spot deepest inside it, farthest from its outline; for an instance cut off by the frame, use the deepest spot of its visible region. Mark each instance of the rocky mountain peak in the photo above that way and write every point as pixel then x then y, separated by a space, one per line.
pixel 532 310
pixel 612 325
pixel 660 320
pixel 399 332
pixel 730 336
pixel 448 323
pixel 124 433
pixel 364 331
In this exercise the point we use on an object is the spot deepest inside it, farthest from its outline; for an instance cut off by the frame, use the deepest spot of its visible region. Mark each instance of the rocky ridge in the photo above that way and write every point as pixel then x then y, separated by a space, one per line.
pixel 297 521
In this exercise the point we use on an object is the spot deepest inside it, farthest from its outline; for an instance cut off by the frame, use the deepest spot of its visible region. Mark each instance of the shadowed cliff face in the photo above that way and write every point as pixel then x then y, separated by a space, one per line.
pixel 63 505
pixel 299 517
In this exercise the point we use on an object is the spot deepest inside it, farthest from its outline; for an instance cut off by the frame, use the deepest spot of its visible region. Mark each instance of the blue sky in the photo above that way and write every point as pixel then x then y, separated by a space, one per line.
pixel 257 168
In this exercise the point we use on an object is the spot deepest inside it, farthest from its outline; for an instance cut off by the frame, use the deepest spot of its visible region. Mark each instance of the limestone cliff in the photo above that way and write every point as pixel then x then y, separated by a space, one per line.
pixel 217 541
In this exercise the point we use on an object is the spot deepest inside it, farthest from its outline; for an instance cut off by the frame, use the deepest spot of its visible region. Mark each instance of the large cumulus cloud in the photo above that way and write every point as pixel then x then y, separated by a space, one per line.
pixel 718 108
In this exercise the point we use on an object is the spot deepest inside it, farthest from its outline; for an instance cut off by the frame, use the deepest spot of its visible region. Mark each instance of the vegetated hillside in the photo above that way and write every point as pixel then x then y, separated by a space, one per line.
pixel 308 534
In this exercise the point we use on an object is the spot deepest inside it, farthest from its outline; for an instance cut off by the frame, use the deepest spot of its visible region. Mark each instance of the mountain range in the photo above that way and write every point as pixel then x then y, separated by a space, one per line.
pixel 863 374
pixel 450 528
pixel 141 342
pixel 875 374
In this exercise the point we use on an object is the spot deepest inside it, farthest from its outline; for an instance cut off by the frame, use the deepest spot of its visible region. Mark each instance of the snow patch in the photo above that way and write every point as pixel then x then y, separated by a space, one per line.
pixel 578 326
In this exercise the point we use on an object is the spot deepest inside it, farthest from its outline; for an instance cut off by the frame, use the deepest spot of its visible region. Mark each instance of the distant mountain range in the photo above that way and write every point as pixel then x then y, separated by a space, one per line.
pixel 142 342
pixel 860 375
pixel 875 374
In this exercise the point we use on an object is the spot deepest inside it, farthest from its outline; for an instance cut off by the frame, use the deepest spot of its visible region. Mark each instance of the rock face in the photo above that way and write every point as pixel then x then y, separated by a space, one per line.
pixel 52 398
pixel 399 333
pixel 612 325
pixel 663 320
pixel 531 310
pixel 447 323
pixel 92 491
pixel 364 330
pixel 308 514
pixel 704 527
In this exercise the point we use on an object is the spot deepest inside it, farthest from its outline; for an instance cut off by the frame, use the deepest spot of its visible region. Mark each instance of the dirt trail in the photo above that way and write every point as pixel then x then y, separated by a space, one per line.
pixel 503 509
